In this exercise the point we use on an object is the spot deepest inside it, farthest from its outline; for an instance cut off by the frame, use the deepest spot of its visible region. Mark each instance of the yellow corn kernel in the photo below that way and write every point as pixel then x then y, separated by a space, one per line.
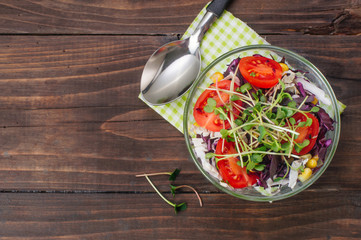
pixel 216 77
pixel 306 174
pixel 284 67
pixel 315 101
pixel 312 163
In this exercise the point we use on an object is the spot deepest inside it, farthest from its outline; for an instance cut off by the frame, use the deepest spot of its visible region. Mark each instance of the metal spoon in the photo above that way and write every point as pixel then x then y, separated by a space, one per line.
pixel 172 69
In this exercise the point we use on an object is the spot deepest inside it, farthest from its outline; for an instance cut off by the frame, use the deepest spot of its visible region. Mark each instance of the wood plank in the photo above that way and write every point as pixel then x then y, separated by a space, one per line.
pixel 173 17
pixel 137 216
pixel 73 132
pixel 71 119
pixel 86 158
pixel 67 71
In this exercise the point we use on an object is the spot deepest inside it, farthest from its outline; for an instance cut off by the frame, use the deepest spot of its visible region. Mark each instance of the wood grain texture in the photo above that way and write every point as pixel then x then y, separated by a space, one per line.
pixel 309 215
pixel 73 132
pixel 71 119
pixel 173 17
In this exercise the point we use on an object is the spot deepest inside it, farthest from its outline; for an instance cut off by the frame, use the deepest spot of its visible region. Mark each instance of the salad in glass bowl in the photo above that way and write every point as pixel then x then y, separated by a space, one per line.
pixel 261 123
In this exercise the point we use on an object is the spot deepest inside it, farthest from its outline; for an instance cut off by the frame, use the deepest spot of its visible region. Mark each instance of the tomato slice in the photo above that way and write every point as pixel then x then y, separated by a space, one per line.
pixel 211 121
pixel 309 132
pixel 260 71
pixel 231 172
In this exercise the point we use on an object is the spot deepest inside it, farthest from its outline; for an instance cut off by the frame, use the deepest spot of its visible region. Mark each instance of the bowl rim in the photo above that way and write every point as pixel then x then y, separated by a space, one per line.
pixel 316 175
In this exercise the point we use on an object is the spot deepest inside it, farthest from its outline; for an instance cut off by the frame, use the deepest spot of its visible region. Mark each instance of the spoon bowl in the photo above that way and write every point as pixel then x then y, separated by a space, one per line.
pixel 173 68
pixel 170 72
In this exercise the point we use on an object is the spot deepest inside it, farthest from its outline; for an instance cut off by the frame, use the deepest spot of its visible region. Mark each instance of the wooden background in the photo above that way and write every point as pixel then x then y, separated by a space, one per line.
pixel 73 133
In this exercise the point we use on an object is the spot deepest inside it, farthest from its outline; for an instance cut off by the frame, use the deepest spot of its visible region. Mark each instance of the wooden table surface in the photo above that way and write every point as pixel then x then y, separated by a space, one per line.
pixel 74 133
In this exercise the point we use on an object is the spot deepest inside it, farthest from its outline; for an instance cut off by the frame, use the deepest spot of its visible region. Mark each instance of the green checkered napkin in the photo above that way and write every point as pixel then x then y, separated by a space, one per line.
pixel 226 33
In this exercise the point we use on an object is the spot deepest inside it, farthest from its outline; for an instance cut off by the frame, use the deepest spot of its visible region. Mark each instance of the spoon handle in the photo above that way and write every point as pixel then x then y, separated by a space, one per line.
pixel 217 6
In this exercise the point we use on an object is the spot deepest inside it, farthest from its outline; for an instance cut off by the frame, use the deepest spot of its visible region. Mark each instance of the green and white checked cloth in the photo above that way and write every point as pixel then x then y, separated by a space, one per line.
pixel 226 33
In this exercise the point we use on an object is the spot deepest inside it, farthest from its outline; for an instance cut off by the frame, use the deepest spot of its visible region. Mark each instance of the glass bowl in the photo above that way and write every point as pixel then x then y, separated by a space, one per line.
pixel 293 60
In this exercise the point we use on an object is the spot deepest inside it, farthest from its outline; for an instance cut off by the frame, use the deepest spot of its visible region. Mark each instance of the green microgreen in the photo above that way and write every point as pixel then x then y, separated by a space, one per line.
pixel 211 105
pixel 301 124
pixel 280 114
pixel 309 122
pixel 180 207
pixel 235 98
pixel 224 133
pixel 287 147
pixel 315 109
pixel 238 122
pixel 256 158
pixel 252 74
pixel 263 98
pixel 174 174
pixel 250 165
pixel 245 87
pixel 289 112
pixel 292 121
pixel 262 133
pixel 221 114
pixel 259 167
pixel 276 146
pixel 265 125
pixel 278 179
pixel 300 146
pixel 255 97
pixel 292 104
pixel 210 155
pixel 177 207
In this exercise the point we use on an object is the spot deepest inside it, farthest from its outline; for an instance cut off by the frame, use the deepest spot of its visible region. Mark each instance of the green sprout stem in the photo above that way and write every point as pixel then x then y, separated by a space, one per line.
pixel 221 111
pixel 303 102
pixel 231 94
pixel 225 156
pixel 187 186
pixel 218 93
pixel 161 195
pixel 280 129
pixel 289 165
pixel 177 207
pixel 288 168
pixel 260 130
pixel 253 102
pixel 275 127
pixel 243 97
pixel 153 174
pixel 172 175
pixel 238 148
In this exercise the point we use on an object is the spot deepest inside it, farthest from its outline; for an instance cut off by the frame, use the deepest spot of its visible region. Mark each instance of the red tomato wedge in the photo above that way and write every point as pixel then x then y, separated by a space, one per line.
pixel 260 71
pixel 310 132
pixel 211 121
pixel 231 172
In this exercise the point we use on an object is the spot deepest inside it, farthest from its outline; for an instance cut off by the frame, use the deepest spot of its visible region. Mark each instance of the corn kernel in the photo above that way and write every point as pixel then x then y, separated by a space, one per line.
pixel 216 77
pixel 312 163
pixel 306 174
pixel 284 67
pixel 315 101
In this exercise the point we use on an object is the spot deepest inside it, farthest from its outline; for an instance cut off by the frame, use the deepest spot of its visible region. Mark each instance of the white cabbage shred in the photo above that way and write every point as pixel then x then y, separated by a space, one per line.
pixel 289 78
